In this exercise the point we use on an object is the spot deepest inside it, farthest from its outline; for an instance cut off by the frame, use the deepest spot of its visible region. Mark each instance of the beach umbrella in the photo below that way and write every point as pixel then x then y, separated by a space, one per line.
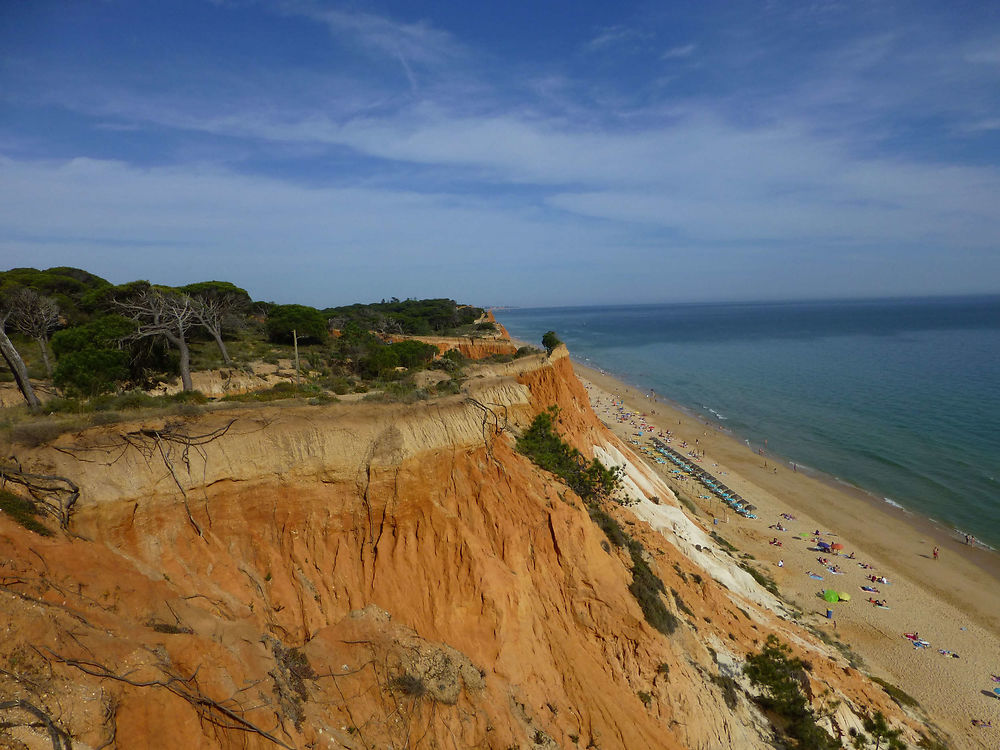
pixel 836 545
pixel 844 596
pixel 804 535
pixel 831 596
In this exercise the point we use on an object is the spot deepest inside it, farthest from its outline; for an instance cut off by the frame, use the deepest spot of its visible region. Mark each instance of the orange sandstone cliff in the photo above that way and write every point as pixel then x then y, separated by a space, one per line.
pixel 375 576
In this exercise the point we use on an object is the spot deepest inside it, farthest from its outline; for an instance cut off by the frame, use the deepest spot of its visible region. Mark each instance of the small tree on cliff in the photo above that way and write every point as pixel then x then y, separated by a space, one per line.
pixel 218 306
pixel 36 317
pixel 167 313
pixel 550 341
pixel 307 322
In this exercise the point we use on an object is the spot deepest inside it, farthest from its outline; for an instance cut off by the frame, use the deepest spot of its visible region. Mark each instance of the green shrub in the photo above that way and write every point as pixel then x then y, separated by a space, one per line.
pixel 681 604
pixel 594 483
pixel 90 372
pixel 777 673
pixel 276 392
pixel 762 578
pixel 22 511
pixel 339 385
pixel 611 528
pixel 67 406
pixel 307 322
pixel 897 694
pixel 540 442
pixel 646 587
pixel 449 387
pixel 730 690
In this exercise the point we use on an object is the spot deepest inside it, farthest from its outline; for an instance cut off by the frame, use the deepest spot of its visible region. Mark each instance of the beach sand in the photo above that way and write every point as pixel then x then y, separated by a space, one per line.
pixel 952 602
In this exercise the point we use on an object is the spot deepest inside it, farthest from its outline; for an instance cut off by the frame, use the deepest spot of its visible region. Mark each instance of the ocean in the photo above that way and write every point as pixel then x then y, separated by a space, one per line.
pixel 897 397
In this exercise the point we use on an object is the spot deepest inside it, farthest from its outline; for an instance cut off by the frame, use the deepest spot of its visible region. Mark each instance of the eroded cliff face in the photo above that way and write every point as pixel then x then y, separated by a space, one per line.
pixel 375 576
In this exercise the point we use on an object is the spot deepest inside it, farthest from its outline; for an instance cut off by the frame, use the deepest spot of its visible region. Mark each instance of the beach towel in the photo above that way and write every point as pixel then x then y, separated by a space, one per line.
pixel 818 578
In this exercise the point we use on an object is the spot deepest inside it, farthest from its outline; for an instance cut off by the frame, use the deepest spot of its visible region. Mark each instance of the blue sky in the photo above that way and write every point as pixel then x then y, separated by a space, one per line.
pixel 539 153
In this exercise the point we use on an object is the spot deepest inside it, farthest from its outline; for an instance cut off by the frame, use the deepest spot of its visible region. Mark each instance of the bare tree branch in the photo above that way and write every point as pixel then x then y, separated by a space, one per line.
pixel 164 313
pixel 35 316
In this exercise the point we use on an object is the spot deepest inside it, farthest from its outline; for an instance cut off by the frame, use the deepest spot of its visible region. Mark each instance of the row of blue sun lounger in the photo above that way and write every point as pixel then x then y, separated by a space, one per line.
pixel 720 490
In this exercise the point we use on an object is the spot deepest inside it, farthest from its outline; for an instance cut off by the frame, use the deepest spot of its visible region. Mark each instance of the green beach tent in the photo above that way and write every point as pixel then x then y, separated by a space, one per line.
pixel 831 596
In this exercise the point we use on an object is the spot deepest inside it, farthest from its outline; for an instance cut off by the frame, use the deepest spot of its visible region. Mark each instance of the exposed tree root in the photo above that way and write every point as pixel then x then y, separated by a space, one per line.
pixel 56 495
pixel 186 688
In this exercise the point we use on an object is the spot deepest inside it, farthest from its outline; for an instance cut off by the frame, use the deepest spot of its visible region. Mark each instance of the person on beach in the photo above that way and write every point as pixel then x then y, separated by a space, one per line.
pixel 935 553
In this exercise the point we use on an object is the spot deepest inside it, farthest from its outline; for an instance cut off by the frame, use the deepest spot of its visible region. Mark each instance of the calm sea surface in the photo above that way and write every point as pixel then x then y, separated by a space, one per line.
pixel 899 397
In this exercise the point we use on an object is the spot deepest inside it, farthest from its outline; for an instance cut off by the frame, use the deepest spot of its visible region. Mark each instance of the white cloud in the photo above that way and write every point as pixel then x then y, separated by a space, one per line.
pixel 418 42
pixel 185 223
pixel 615 35
pixel 981 126
pixel 683 51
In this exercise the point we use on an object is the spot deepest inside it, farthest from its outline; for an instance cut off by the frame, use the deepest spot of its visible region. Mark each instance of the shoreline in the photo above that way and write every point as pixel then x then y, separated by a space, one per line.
pixel 954 602
pixel 983 554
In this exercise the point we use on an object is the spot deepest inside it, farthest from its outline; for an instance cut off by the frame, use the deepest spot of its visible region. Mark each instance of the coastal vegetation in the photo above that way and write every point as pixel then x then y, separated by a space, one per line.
pixel 779 676
pixel 595 484
pixel 91 340
pixel 550 341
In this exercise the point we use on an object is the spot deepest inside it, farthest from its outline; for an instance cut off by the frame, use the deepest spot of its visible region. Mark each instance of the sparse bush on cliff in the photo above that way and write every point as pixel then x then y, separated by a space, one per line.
pixel 777 674
pixel 646 587
pixel 760 577
pixel 594 482
pixel 591 481
pixel 23 511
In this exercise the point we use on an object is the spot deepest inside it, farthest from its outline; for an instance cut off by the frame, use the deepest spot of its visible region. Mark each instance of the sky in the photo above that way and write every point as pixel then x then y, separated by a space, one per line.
pixel 541 153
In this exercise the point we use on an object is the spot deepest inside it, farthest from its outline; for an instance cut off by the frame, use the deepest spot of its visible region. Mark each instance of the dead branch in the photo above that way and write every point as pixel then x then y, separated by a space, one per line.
pixel 495 421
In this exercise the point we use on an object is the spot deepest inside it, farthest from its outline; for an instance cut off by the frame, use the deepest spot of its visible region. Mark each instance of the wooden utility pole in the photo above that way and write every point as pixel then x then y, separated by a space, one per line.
pixel 295 340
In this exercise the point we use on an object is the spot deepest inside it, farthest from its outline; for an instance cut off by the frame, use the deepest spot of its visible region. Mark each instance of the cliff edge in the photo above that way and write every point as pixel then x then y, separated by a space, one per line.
pixel 375 575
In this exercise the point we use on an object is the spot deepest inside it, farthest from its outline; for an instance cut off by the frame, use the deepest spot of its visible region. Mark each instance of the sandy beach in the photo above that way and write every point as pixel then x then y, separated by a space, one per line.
pixel 952 602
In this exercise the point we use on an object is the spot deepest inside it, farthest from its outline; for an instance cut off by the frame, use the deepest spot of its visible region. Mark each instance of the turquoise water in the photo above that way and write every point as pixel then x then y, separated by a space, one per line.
pixel 898 397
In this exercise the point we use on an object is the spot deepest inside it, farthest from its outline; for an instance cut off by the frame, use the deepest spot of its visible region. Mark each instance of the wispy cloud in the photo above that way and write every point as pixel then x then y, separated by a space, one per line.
pixel 418 42
pixel 612 36
pixel 683 51
pixel 981 126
